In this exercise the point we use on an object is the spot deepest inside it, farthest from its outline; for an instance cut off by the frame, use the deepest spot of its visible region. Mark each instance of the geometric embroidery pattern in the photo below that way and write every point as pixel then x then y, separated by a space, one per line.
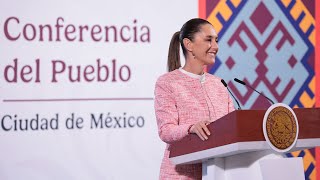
pixel 270 46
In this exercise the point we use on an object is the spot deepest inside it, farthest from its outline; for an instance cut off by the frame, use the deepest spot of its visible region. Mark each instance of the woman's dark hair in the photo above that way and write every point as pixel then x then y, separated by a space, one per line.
pixel 187 31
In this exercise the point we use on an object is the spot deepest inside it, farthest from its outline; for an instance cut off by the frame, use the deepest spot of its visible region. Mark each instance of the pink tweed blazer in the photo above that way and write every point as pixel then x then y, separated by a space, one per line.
pixel 180 101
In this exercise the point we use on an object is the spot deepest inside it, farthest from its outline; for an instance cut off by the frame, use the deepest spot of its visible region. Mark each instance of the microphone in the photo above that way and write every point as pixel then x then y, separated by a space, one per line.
pixel 225 85
pixel 243 83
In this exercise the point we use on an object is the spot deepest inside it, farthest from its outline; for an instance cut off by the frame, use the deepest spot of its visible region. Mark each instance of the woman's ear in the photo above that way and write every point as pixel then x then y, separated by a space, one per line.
pixel 188 44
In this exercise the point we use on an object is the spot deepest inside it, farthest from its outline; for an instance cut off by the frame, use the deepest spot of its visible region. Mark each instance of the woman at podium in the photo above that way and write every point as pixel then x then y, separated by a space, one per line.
pixel 187 99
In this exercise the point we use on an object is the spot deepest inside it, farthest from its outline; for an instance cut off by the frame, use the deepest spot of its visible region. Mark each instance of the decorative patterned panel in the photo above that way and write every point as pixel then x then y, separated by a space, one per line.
pixel 269 45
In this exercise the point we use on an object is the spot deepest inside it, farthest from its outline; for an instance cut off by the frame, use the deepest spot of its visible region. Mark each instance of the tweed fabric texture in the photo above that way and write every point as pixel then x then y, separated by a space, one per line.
pixel 180 101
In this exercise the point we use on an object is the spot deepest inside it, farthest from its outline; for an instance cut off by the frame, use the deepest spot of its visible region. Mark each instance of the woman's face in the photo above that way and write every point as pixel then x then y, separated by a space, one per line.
pixel 205 45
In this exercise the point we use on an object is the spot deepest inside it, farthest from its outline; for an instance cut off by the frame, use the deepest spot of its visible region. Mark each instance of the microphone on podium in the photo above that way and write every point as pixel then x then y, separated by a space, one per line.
pixel 225 85
pixel 243 83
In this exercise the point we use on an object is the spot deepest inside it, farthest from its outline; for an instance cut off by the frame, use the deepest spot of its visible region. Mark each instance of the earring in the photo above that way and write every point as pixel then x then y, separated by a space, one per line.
pixel 194 56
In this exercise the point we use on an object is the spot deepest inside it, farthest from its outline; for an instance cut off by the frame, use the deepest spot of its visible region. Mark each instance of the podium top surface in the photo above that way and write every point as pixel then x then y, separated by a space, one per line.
pixel 244 126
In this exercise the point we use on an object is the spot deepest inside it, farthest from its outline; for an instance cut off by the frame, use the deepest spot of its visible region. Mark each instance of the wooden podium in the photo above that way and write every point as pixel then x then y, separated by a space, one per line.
pixel 237 149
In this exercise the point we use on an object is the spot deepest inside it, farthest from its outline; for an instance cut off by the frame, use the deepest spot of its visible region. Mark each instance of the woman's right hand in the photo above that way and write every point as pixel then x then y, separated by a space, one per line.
pixel 201 129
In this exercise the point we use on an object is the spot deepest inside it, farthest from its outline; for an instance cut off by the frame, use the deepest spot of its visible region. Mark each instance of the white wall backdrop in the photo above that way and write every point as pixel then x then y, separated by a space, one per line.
pixel 116 134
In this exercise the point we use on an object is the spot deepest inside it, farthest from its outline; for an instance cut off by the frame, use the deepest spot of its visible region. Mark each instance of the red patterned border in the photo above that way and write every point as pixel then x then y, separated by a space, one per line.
pixel 202 9
pixel 317 68
pixel 202 13
pixel 317 49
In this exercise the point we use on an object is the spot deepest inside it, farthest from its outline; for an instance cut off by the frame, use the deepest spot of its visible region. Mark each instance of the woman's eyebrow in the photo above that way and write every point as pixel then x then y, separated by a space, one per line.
pixel 209 36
